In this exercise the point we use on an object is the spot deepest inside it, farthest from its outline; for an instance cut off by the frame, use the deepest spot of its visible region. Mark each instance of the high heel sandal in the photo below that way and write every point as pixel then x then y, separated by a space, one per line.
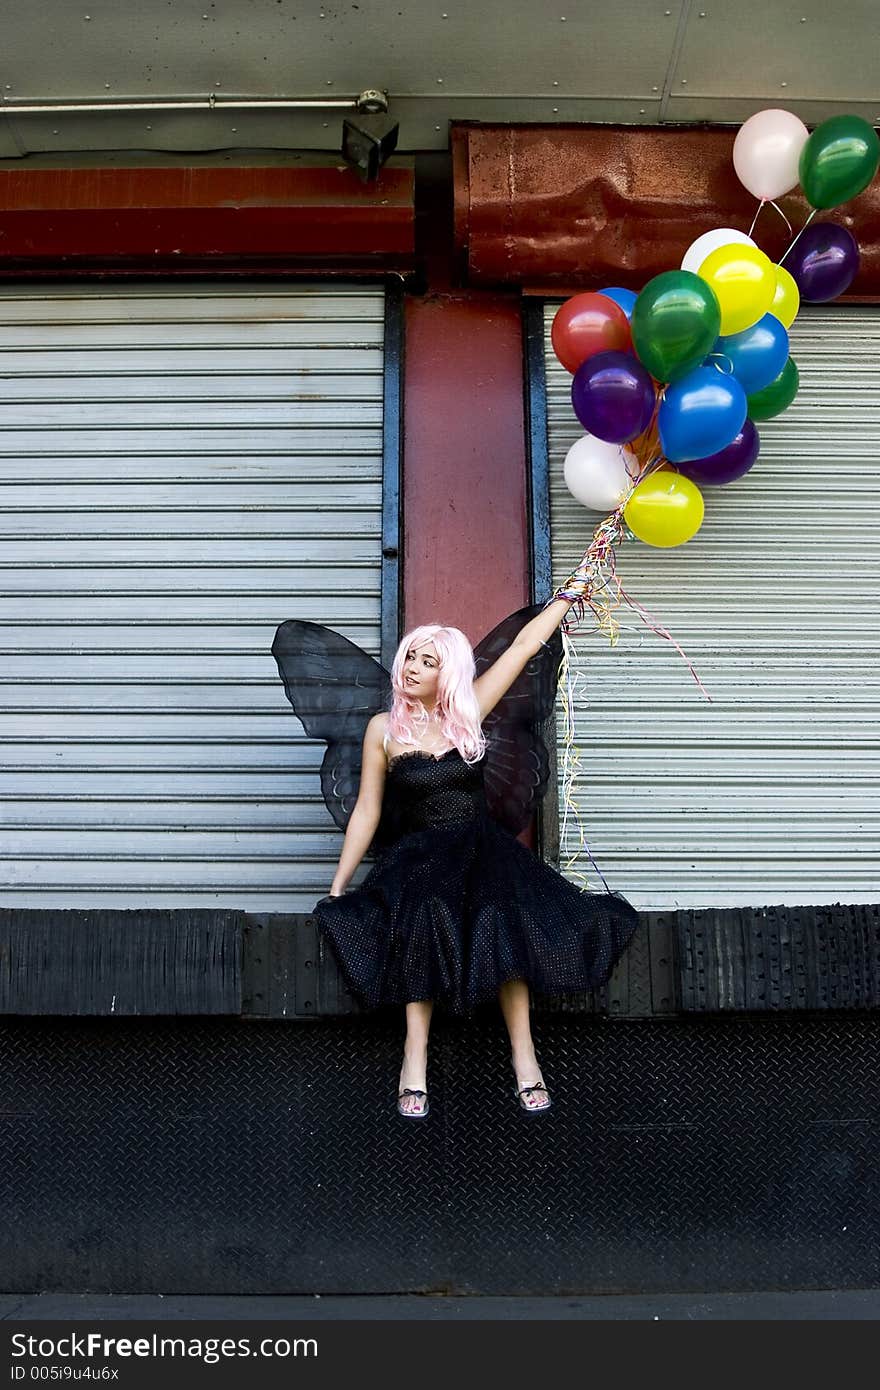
pixel 412 1114
pixel 524 1091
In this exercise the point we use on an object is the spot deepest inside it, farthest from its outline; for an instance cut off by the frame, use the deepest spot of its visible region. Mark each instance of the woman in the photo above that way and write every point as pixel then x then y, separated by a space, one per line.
pixel 455 909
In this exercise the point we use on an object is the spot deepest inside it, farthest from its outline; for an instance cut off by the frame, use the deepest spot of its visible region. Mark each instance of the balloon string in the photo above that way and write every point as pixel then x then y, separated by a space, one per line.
pixel 648 442
pixel 798 237
pixel 605 593
pixel 763 203
pixel 648 448
pixel 757 215
pixel 717 359
pixel 600 593
pixel 781 213
pixel 571 771
pixel 661 631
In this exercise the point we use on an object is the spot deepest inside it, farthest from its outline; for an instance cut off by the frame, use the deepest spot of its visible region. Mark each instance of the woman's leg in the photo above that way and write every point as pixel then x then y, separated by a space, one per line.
pixel 414 1071
pixel 513 996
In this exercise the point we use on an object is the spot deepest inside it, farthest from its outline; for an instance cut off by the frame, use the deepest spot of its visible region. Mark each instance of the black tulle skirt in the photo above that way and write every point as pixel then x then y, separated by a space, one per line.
pixel 450 912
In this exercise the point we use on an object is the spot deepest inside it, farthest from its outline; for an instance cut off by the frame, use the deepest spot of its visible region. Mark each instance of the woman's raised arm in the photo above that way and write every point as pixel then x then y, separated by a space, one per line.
pixel 494 683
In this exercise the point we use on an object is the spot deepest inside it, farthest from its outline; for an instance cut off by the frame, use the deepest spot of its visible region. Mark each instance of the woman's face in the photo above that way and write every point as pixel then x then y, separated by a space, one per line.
pixel 421 673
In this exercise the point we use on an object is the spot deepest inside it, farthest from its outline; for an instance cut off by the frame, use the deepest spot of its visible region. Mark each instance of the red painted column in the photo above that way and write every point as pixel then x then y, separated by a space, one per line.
pixel 466 560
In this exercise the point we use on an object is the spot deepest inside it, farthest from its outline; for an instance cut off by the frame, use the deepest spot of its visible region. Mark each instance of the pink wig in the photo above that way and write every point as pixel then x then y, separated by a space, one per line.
pixel 457 706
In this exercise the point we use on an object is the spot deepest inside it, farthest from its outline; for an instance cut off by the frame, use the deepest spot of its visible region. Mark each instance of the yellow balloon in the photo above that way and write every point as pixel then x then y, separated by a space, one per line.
pixel 664 509
pixel 744 281
pixel 787 299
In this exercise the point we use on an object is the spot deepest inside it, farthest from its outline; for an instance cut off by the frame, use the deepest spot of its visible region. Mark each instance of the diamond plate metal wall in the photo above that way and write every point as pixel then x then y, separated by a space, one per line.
pixel 226 1156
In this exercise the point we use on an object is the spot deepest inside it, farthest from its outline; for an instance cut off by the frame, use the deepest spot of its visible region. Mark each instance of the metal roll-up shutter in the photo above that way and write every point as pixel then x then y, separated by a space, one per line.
pixel 182 468
pixel 770 793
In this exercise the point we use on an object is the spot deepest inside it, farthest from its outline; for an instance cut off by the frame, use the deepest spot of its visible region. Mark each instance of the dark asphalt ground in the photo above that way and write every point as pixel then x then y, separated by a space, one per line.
pixel 807 1305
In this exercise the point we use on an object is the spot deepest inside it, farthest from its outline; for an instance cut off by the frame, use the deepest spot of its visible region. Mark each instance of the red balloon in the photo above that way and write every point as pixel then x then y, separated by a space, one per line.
pixel 587 324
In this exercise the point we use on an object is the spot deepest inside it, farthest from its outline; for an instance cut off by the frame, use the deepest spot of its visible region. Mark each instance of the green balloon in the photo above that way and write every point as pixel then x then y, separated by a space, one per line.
pixel 776 397
pixel 675 322
pixel 838 161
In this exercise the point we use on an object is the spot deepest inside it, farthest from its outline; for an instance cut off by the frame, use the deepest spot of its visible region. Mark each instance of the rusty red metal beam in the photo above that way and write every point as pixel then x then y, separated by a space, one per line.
pixel 560 208
pixel 318 219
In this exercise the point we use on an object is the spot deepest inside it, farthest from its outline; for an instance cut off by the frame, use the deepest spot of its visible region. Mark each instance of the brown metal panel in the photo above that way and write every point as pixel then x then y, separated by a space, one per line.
pixel 167 220
pixel 566 207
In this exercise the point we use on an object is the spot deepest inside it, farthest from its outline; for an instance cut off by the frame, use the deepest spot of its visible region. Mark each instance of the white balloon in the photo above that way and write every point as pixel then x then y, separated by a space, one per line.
pixel 599 475
pixel 767 151
pixel 710 241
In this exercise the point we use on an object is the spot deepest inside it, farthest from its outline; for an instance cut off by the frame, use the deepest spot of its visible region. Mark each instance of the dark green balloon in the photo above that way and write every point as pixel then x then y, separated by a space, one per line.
pixel 838 161
pixel 776 397
pixel 675 322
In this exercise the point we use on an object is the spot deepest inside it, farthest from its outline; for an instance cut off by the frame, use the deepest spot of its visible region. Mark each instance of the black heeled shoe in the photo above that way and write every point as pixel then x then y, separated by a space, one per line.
pixel 412 1114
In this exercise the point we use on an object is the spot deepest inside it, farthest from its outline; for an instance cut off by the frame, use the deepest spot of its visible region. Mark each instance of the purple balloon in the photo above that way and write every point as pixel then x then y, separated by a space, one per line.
pixel 613 396
pixel 728 464
pixel 823 261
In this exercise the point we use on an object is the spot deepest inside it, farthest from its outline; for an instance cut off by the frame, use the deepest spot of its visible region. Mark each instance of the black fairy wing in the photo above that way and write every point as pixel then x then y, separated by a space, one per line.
pixel 335 689
pixel 516 768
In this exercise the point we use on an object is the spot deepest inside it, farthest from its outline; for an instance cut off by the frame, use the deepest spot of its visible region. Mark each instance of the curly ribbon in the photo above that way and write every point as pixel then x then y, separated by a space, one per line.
pixel 596 585
pixel 718 359
pixel 571 772
pixel 606 594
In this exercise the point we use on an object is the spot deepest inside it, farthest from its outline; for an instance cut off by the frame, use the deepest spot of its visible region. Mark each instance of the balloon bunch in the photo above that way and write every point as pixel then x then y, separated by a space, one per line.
pixel 670 383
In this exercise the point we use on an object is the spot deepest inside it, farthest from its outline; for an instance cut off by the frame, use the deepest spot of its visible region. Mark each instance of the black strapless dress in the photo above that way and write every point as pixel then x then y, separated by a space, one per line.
pixel 455 905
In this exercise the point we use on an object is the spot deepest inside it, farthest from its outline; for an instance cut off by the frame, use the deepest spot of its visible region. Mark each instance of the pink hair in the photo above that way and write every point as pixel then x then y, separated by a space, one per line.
pixel 457 706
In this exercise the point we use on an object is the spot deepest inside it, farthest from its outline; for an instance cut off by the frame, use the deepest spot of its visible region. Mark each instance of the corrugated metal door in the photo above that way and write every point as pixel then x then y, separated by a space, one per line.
pixel 770 793
pixel 183 467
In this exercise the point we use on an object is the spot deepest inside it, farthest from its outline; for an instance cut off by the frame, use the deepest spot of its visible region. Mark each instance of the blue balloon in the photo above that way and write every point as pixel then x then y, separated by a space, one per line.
pixel 626 299
pixel 700 414
pixel 757 355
